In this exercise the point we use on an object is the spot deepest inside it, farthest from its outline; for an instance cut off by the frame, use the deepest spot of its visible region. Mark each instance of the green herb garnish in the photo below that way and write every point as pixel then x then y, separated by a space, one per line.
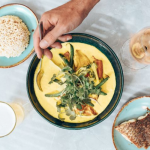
pixel 78 87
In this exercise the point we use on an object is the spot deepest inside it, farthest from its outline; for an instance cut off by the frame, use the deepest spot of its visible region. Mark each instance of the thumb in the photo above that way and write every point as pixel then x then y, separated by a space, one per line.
pixel 51 37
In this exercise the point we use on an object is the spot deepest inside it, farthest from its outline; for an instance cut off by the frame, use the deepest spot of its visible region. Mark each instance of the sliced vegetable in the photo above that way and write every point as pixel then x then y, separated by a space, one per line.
pixel 58 79
pixel 64 59
pixel 103 93
pixel 102 82
pixel 54 95
pixel 61 116
pixel 100 68
pixel 99 64
pixel 80 60
pixel 67 55
pixel 94 68
pixel 71 56
pixel 80 89
pixel 53 78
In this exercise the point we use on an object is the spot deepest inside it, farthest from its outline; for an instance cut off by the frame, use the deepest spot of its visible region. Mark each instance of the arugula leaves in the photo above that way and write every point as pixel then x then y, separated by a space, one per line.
pixel 67 69
pixel 78 87
pixel 54 79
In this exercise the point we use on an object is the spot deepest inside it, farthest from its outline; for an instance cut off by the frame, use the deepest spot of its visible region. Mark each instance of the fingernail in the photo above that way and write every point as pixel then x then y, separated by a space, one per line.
pixel 44 44
pixel 69 38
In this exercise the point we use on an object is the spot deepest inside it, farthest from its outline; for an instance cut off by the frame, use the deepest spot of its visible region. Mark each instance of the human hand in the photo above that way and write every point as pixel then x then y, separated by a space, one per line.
pixel 58 22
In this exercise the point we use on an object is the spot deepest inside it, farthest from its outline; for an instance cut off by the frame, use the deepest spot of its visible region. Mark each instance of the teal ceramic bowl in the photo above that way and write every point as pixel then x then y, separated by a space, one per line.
pixel 105 49
pixel 30 19
pixel 131 110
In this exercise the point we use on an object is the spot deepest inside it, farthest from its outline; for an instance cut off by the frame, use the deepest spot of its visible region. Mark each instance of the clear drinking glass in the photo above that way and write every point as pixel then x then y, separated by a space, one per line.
pixel 11 115
pixel 135 52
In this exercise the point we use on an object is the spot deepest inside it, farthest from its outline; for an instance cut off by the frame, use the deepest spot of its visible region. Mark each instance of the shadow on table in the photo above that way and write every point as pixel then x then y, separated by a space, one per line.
pixel 113 32
pixel 144 92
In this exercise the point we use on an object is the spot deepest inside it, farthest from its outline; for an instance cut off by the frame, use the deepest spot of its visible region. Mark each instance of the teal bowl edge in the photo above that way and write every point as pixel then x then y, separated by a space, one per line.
pixel 32 50
pixel 118 114
pixel 116 104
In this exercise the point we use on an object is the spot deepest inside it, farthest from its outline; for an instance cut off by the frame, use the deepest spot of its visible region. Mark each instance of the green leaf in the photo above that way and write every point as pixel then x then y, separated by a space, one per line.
pixel 68 112
pixel 68 77
pixel 70 105
pixel 86 100
pixel 67 69
pixel 77 91
pixel 79 106
pixel 91 104
pixel 102 82
pixel 86 94
pixel 72 117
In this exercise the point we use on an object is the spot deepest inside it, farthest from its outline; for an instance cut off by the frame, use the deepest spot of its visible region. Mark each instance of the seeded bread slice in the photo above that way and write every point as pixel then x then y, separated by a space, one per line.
pixel 137 131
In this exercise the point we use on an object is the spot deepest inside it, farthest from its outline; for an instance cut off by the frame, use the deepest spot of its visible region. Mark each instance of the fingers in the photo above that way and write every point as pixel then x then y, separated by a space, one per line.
pixel 48 53
pixel 47 27
pixel 36 39
pixel 49 41
pixel 56 45
pixel 51 37
pixel 65 38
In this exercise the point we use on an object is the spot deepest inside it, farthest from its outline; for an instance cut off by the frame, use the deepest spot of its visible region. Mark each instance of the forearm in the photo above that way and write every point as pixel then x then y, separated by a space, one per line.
pixel 83 6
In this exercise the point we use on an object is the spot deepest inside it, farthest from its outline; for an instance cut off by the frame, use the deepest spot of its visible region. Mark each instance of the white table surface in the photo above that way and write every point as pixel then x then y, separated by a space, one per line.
pixel 113 21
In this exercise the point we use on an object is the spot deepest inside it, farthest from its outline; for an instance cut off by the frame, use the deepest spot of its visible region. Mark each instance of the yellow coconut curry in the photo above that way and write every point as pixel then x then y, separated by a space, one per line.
pixel 77 84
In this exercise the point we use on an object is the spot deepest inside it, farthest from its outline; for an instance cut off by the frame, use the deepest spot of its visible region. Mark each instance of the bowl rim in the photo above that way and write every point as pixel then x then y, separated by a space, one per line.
pixel 18 63
pixel 116 104
pixel 125 105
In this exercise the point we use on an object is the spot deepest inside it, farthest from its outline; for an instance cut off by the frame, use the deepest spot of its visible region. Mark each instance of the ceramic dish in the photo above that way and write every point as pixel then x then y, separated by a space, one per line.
pixel 131 110
pixel 30 19
pixel 105 49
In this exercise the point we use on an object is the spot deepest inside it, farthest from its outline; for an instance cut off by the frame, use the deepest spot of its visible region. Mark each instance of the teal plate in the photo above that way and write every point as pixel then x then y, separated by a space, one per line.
pixel 30 19
pixel 131 110
pixel 105 49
